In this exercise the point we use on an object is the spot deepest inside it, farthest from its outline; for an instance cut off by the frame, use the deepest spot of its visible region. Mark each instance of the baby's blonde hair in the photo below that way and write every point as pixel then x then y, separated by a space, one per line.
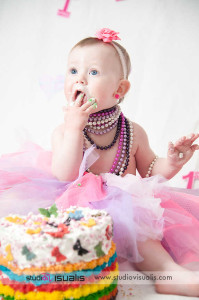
pixel 92 41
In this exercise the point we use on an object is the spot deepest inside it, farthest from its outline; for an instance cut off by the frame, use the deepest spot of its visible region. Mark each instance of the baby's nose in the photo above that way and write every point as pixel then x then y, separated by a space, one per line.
pixel 82 81
pixel 81 78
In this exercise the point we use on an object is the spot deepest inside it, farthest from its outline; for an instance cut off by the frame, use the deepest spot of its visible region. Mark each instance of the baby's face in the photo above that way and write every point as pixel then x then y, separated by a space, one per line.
pixel 96 71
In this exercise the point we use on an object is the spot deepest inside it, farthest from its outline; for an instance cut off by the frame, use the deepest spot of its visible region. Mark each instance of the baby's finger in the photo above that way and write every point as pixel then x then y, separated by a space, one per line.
pixel 188 140
pixel 73 96
pixel 171 148
pixel 91 107
pixel 194 137
pixel 180 141
pixel 71 103
pixel 195 147
pixel 88 104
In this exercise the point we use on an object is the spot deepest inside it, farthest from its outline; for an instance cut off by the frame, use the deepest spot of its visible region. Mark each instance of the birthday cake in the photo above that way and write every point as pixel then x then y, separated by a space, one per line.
pixel 58 254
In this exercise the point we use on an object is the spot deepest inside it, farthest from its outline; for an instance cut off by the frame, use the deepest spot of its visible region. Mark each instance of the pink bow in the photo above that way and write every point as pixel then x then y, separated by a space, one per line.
pixel 107 35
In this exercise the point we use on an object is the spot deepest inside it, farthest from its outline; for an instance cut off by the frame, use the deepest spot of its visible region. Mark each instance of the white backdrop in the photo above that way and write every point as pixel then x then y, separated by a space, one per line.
pixel 161 36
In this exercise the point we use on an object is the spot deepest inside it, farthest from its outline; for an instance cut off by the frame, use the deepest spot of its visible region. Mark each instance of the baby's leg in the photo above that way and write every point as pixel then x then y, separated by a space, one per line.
pixel 156 258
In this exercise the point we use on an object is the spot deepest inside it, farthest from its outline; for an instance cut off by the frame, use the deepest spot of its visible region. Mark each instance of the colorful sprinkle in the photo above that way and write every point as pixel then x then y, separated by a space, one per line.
pixel 91 222
pixel 59 257
pixel 70 211
pixel 67 222
pixel 63 229
pixel 16 220
pixel 53 210
pixel 44 212
pixel 98 249
pixel 48 212
pixel 53 224
pixel 33 231
pixel 29 255
pixel 78 247
pixel 37 223
pixel 97 215
pixel 77 215
pixel 9 256
pixel 108 233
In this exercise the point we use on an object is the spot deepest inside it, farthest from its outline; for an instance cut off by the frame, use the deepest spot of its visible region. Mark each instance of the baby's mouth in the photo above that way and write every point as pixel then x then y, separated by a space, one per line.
pixel 81 98
pixel 77 93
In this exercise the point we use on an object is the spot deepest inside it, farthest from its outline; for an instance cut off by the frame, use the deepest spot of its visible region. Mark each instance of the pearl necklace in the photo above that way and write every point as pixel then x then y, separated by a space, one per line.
pixel 103 121
pixel 124 129
pixel 122 157
pixel 111 144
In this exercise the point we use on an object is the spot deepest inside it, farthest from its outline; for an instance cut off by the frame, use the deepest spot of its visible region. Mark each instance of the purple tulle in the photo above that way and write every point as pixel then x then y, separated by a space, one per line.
pixel 119 206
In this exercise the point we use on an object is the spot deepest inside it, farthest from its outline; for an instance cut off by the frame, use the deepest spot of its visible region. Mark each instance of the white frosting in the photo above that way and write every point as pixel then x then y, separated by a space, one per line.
pixel 41 244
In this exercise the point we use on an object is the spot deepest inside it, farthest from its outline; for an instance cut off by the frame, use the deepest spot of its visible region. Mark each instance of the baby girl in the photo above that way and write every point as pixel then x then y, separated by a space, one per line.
pixel 96 82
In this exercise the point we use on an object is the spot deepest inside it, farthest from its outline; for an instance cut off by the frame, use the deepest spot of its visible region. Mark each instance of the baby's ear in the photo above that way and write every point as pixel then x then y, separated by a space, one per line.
pixel 123 88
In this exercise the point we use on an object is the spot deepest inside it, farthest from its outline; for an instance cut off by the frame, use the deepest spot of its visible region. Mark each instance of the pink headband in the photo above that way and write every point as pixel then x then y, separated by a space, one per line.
pixel 108 35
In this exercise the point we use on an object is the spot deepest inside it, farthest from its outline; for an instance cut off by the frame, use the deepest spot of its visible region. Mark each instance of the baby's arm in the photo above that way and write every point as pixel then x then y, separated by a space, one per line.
pixel 67 148
pixel 167 167
pixel 67 141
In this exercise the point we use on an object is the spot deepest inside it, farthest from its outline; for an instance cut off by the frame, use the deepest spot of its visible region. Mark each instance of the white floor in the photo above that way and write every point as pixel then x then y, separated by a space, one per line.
pixel 144 291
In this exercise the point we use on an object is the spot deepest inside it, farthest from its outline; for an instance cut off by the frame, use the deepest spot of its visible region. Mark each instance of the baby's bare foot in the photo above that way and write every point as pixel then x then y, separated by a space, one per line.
pixel 184 282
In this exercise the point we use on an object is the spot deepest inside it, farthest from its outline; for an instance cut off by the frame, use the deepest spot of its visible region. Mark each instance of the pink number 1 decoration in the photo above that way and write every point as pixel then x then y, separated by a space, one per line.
pixel 64 12
pixel 192 176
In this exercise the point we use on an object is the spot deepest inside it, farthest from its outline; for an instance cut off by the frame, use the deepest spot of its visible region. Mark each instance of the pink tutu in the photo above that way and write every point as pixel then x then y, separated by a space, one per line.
pixel 141 208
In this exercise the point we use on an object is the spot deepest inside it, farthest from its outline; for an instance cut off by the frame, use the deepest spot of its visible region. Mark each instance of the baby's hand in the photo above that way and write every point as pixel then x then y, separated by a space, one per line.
pixel 78 111
pixel 180 153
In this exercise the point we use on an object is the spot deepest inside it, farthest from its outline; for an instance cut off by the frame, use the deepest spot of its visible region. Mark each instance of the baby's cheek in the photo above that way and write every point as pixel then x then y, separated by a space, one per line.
pixel 100 92
pixel 65 87
pixel 67 90
pixel 66 93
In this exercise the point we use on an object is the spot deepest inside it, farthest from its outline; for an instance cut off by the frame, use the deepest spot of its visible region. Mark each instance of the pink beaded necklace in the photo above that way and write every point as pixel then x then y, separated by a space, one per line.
pixel 104 121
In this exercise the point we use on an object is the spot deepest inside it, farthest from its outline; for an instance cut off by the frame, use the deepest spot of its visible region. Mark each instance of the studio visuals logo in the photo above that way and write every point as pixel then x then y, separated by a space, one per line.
pixel 60 277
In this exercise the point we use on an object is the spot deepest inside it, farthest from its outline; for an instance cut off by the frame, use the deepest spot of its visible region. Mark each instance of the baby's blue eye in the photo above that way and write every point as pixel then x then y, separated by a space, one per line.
pixel 73 71
pixel 93 72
